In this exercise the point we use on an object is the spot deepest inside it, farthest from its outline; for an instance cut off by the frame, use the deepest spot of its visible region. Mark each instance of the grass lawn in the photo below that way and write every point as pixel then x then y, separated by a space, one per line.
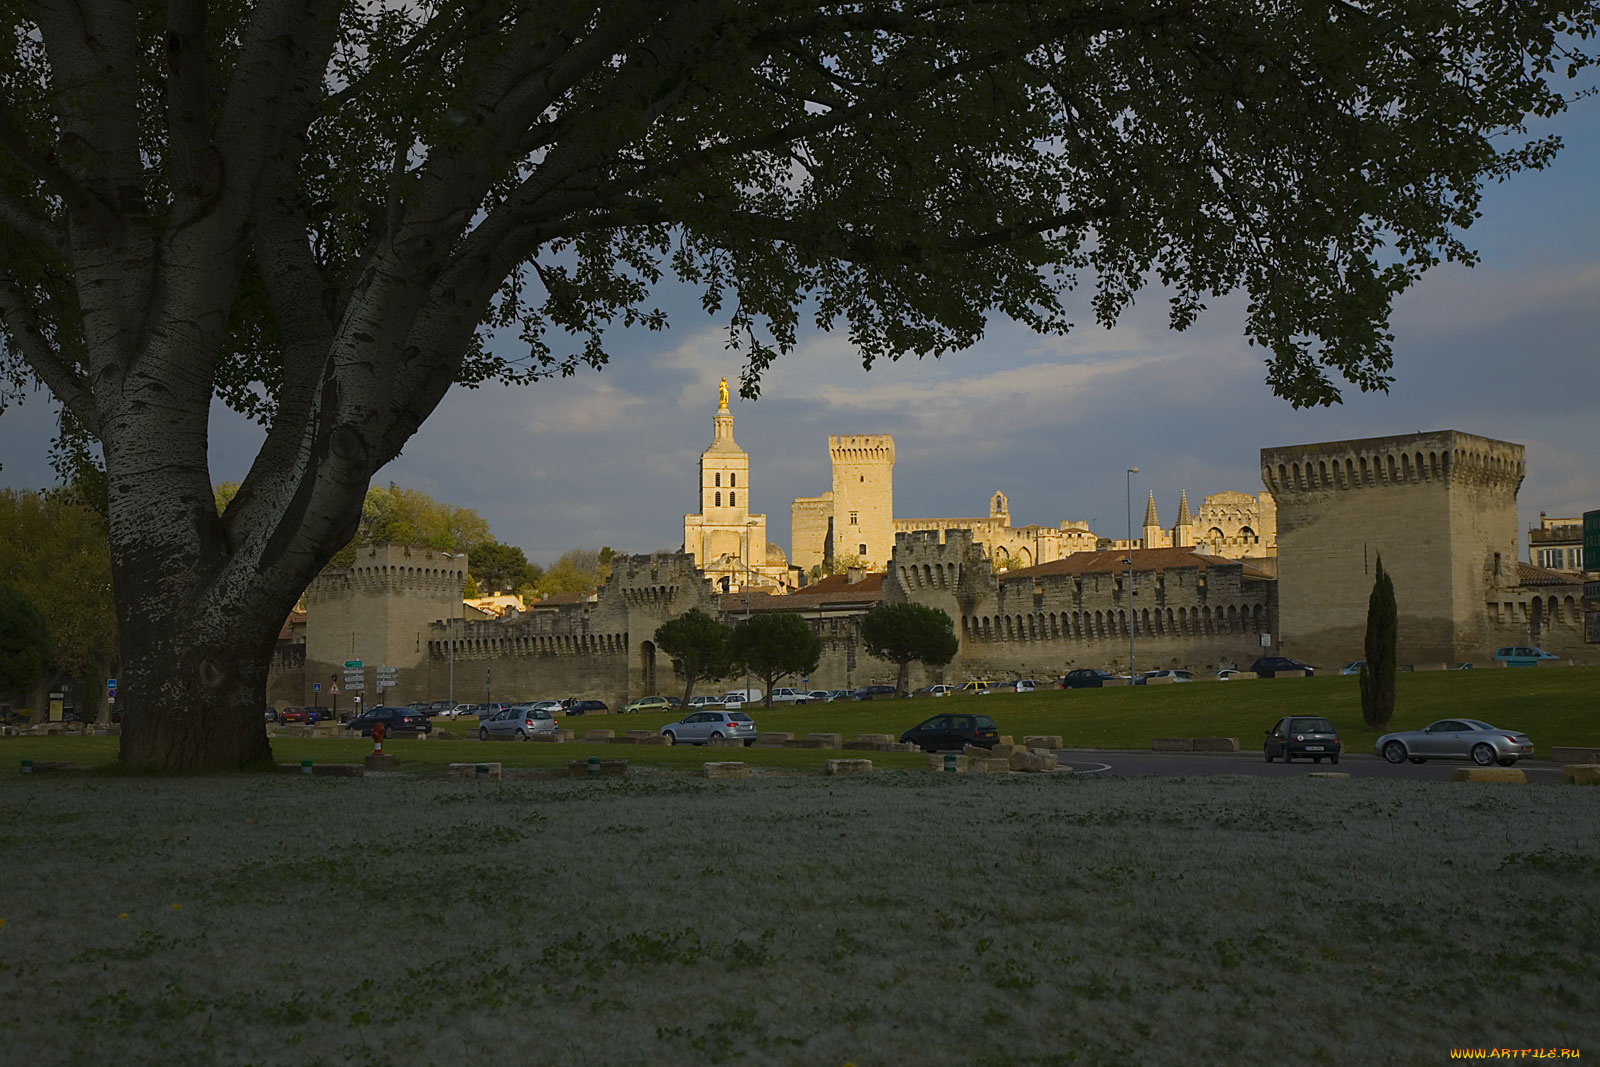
pixel 902 918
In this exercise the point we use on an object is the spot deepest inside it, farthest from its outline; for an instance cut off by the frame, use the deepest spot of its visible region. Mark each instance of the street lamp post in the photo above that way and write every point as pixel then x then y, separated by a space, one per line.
pixel 1132 617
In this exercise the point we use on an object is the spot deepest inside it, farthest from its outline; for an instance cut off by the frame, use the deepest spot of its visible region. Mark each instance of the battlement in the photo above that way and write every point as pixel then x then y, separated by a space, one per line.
pixel 929 545
pixel 1442 456
pixel 861 448
pixel 656 578
pixel 390 569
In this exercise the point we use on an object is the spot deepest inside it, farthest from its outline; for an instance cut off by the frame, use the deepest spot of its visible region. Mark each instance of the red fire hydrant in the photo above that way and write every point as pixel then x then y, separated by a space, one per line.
pixel 378 730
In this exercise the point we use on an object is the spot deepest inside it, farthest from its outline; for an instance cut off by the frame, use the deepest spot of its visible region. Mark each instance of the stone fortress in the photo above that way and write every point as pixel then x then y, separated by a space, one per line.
pixel 1285 570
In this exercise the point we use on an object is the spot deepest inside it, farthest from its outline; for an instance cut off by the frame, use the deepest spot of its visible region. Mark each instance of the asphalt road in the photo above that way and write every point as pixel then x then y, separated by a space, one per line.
pixel 1357 765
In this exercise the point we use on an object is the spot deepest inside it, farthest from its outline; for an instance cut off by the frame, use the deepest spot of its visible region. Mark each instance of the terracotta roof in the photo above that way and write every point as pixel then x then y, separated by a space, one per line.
pixel 833 591
pixel 1111 561
pixel 1529 574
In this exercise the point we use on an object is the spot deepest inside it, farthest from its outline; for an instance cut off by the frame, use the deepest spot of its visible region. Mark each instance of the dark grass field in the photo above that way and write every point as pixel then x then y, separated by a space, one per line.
pixel 898 919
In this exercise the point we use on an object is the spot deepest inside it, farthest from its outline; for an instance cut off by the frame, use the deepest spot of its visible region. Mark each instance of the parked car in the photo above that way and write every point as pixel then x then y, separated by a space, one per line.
pixel 1226 674
pixel 272 715
pixel 1132 679
pixel 519 723
pixel 841 694
pixel 1085 678
pixel 742 696
pixel 1269 666
pixel 785 695
pixel 819 696
pixel 441 707
pixel 1306 736
pixel 705 701
pixel 975 687
pixel 1456 739
pixel 1521 655
pixel 698 727
pixel 945 732
pixel 876 692
pixel 579 706
pixel 1175 675
pixel 1353 667
pixel 1017 685
pixel 395 721
pixel 292 714
pixel 647 704
pixel 491 709
pixel 935 691
pixel 1467 666
pixel 461 711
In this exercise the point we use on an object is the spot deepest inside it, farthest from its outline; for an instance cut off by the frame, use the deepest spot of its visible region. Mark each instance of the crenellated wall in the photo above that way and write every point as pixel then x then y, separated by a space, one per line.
pixel 1440 508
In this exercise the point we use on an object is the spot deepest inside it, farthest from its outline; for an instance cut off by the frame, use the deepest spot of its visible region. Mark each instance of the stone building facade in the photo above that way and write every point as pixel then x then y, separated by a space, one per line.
pixel 1441 509
pixel 856 516
pixel 1007 545
pixel 723 537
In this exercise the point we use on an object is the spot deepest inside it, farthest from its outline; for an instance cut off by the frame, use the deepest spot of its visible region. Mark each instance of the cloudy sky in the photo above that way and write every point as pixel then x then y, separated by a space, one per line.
pixel 1507 349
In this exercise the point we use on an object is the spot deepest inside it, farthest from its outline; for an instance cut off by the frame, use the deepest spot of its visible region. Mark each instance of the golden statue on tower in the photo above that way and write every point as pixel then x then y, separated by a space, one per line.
pixel 722 396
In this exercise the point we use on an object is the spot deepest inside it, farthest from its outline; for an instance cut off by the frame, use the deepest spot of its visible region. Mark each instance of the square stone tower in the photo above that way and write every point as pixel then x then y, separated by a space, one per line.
pixel 1440 508
pixel 863 496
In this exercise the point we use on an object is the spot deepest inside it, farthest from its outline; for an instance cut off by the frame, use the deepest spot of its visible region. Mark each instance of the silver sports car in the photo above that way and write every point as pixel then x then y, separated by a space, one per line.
pixel 1456 739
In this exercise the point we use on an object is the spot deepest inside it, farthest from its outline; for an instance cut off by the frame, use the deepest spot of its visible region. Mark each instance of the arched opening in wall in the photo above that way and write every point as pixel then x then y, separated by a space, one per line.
pixel 1322 473
pixel 1393 477
pixel 733 501
pixel 1145 622
pixel 1205 620
pixel 1099 625
pixel 1172 622
pixel 1000 556
pixel 1260 618
pixel 726 582
pixel 1214 539
pixel 1535 620
pixel 1055 625
pixel 927 575
pixel 1233 618
pixel 986 632
pixel 1024 558
pixel 1247 535
pixel 1366 473
pixel 1433 464
pixel 647 666
pixel 1405 465
pixel 1553 610
pixel 1571 608
pixel 1123 623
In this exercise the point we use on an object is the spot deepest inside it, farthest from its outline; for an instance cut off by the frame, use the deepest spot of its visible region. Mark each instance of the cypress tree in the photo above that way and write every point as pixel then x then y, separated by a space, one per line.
pixel 1377 673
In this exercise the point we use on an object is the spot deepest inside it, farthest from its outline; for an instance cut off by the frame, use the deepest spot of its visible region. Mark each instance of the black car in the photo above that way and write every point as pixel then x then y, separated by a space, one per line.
pixel 943 733
pixel 577 706
pixel 1269 666
pixel 1085 678
pixel 876 692
pixel 1306 736
pixel 395 721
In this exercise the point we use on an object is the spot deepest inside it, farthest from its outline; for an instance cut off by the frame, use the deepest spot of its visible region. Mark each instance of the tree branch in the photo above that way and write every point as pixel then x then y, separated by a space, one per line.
pixel 30 226
pixel 80 202
pixel 66 382
pixel 196 171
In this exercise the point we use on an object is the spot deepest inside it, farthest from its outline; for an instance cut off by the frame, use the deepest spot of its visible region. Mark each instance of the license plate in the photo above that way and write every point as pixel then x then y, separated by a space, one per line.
pixel 1313 748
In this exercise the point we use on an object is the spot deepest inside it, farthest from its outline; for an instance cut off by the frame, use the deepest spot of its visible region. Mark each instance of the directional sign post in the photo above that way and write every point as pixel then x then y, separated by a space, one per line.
pixel 388 677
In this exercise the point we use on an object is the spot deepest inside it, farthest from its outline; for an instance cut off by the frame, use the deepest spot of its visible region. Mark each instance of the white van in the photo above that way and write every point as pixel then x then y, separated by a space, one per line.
pixel 734 698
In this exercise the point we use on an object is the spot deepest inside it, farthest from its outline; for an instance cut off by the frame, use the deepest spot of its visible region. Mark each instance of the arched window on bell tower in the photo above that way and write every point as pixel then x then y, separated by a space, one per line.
pixel 733 478
pixel 719 500
pixel 733 500
pixel 719 477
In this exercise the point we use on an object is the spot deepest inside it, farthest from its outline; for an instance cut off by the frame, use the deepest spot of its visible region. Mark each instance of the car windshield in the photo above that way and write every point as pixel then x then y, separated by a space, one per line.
pixel 1478 725
pixel 1312 726
pixel 983 722
pixel 739 716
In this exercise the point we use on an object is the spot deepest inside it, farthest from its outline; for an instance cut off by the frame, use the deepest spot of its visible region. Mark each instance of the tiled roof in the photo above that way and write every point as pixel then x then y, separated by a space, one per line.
pixel 833 591
pixel 1110 561
pixel 1529 574
pixel 555 600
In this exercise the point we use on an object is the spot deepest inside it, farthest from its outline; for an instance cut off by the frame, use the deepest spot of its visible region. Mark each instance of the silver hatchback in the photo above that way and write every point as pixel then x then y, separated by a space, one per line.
pixel 1456 739
pixel 518 723
pixel 702 726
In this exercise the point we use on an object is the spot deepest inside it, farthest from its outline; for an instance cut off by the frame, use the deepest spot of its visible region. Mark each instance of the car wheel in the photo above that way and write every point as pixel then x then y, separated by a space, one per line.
pixel 1483 755
pixel 483 735
pixel 1507 762
pixel 1333 759
pixel 1394 752
pixel 521 736
pixel 1316 759
pixel 1267 752
pixel 716 735
pixel 671 737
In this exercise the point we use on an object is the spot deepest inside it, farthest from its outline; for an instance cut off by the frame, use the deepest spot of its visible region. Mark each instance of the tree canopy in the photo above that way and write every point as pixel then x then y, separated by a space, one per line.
pixel 579 570
pixel 324 213
pixel 53 551
pixel 24 642
pixel 903 633
pixel 698 645
pixel 773 647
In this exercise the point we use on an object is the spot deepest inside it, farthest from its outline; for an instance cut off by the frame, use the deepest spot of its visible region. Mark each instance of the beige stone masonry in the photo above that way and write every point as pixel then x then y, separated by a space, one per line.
pixel 881 739
pixel 1581 774
pixel 470 770
pixel 805 742
pixel 1288 674
pixel 1243 676
pixel 379 761
pixel 1112 683
pixel 1160 681
pixel 1569 754
pixel 1327 774
pixel 722 742
pixel 1216 744
pixel 725 770
pixel 1488 774
pixel 642 735
pixel 936 762
pixel 847 766
pixel 1172 744
pixel 1043 741
pixel 869 746
pixel 1031 761
pixel 599 735
pixel 978 765
pixel 563 735
pixel 773 738
pixel 550 739
pixel 833 740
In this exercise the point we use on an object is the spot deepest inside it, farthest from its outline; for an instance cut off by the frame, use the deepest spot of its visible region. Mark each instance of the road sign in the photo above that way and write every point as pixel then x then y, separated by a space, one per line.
pixel 111 684
pixel 333 689
pixel 352 664
pixel 316 687
pixel 387 672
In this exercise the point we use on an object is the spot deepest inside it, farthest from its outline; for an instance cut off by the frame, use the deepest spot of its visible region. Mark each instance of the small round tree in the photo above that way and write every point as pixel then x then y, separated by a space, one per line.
pixel 772 647
pixel 901 633
pixel 698 645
